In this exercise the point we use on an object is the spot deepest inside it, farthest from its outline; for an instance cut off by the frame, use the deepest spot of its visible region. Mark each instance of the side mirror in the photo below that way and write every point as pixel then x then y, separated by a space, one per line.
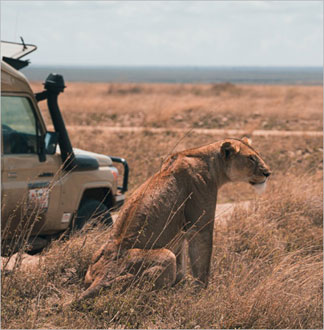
pixel 51 140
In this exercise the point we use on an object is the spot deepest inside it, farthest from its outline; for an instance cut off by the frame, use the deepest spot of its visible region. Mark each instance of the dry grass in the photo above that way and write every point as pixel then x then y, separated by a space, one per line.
pixel 267 269
pixel 193 105
pixel 267 273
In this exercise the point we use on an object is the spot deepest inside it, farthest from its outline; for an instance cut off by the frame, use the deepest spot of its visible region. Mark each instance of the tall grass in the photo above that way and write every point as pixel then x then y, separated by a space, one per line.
pixel 267 272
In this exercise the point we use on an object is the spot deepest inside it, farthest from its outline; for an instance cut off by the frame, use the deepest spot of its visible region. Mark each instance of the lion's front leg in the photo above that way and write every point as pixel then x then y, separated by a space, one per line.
pixel 200 251
pixel 200 224
pixel 181 263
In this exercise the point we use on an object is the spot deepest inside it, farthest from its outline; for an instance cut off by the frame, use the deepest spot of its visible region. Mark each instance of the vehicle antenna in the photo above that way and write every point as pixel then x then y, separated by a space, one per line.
pixel 23 42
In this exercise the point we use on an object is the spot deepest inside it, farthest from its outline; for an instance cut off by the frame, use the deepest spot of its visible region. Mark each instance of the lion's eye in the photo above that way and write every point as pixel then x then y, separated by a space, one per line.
pixel 251 158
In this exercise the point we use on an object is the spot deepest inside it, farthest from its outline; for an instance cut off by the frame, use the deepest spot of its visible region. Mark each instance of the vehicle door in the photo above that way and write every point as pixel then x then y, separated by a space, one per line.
pixel 28 175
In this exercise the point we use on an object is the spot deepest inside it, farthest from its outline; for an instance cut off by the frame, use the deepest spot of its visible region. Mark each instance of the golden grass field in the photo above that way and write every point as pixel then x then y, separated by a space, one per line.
pixel 267 265
pixel 186 105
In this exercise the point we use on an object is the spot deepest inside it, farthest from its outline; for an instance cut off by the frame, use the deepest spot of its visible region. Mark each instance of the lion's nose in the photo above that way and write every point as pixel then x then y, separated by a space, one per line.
pixel 266 173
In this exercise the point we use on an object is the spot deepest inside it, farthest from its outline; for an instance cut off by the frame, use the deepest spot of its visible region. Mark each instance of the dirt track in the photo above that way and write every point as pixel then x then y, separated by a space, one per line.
pixel 227 132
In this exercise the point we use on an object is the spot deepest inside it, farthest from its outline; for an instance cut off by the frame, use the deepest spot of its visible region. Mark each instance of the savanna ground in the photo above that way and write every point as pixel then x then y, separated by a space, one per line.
pixel 267 265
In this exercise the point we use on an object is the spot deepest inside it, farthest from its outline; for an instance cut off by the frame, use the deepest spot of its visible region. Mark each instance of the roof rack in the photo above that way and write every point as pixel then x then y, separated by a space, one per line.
pixel 12 52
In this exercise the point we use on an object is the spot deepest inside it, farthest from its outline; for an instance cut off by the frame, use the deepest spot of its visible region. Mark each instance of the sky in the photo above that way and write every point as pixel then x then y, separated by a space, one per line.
pixel 168 33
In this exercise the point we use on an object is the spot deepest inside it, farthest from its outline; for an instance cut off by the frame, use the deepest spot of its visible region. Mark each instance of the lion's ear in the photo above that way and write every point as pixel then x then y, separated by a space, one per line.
pixel 228 149
pixel 246 140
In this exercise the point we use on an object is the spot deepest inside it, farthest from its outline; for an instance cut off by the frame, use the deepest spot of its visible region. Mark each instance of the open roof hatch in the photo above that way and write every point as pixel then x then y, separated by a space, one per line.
pixel 12 52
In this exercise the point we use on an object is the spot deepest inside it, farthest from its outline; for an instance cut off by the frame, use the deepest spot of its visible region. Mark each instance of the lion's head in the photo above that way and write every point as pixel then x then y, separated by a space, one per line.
pixel 243 163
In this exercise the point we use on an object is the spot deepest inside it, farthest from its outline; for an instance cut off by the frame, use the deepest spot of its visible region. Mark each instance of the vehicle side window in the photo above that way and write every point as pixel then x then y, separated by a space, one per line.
pixel 19 125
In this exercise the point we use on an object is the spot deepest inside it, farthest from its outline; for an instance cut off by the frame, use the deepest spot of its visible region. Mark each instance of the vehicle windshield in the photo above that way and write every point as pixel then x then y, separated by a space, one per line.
pixel 15 50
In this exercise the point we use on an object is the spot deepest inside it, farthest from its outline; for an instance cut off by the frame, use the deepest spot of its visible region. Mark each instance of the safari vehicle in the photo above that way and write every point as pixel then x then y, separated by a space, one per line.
pixel 47 186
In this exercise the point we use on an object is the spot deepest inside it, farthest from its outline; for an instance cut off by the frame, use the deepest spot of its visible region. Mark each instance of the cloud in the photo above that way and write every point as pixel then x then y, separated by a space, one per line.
pixel 168 32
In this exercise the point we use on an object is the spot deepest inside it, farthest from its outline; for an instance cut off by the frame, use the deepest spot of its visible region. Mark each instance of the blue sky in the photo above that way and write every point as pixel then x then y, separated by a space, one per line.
pixel 195 33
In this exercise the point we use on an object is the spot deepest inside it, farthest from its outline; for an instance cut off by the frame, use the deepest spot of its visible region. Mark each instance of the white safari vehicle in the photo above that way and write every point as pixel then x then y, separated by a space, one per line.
pixel 47 186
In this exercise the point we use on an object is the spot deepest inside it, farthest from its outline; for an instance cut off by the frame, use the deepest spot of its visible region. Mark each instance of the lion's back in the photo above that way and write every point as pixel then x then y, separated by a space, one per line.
pixel 145 214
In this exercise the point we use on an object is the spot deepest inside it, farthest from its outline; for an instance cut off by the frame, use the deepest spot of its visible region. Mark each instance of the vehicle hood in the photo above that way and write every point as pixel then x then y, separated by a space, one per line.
pixel 103 160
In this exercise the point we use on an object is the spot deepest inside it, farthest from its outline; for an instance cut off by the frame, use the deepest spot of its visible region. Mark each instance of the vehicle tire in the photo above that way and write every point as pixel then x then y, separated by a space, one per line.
pixel 90 209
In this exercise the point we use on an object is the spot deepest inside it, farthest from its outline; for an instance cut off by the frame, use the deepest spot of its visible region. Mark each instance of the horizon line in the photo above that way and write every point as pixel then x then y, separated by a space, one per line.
pixel 171 66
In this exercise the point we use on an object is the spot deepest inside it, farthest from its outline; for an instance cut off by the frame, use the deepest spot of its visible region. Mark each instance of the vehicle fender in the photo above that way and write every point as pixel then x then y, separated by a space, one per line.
pixel 98 191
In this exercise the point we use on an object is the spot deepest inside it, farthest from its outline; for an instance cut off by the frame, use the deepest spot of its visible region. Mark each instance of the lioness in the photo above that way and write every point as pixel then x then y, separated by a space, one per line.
pixel 176 204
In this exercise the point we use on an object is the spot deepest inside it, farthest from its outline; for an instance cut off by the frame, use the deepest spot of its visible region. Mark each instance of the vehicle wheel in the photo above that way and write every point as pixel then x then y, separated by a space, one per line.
pixel 91 209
